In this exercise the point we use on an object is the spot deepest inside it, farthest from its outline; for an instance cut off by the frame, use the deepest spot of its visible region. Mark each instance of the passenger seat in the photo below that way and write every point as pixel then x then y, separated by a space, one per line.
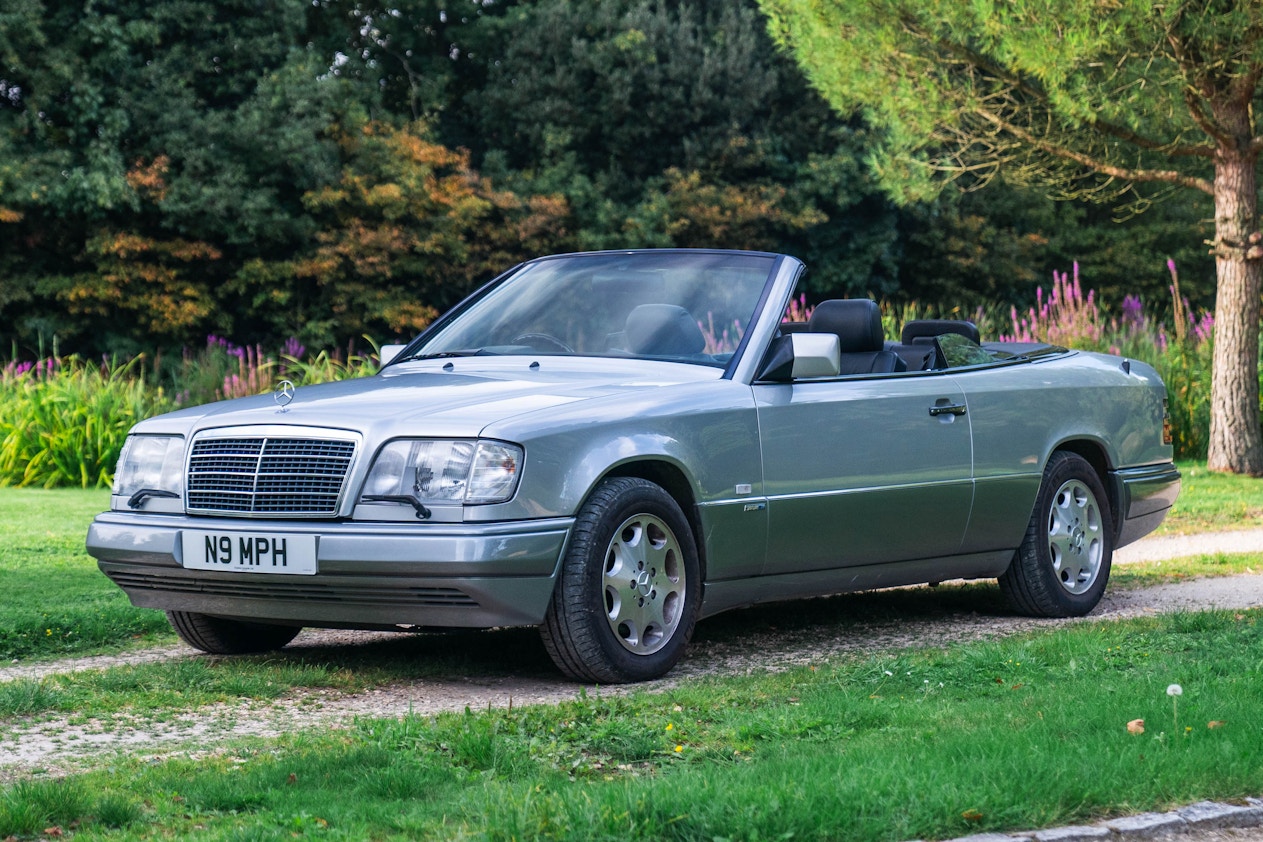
pixel 857 324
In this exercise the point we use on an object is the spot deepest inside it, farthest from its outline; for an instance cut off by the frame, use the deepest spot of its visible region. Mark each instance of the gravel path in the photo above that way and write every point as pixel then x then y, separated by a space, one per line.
pixel 510 668
pixel 1176 546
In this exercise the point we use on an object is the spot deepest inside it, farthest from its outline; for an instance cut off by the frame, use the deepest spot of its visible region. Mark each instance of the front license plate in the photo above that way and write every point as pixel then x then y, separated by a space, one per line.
pixel 249 552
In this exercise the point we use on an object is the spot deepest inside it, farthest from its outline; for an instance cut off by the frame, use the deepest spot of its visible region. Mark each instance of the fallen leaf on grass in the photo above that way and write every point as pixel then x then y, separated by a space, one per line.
pixel 971 816
pixel 1136 726
pixel 1216 723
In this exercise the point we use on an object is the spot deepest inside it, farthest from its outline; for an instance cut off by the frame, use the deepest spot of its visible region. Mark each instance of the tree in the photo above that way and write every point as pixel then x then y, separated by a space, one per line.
pixel 408 231
pixel 1094 99
pixel 147 150
pixel 631 109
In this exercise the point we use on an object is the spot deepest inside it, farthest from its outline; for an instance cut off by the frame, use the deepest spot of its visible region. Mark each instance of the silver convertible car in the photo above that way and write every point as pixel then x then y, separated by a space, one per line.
pixel 612 446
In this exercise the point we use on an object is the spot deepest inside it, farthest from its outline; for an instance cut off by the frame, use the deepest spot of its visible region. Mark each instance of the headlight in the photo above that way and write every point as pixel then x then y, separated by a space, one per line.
pixel 150 463
pixel 442 471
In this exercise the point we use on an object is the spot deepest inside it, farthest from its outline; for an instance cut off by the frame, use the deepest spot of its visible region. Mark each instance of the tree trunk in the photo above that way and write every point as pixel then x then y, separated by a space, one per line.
pixel 1236 442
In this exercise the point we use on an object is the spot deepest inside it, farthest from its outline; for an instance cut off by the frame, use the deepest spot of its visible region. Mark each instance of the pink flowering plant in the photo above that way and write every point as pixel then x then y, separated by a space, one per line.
pixel 1069 316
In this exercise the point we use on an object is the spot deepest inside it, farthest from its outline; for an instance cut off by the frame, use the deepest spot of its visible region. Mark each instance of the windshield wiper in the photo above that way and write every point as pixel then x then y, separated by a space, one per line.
pixel 466 352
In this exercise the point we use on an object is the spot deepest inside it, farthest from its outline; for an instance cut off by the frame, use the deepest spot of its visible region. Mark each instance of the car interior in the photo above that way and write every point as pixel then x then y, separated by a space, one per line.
pixel 925 344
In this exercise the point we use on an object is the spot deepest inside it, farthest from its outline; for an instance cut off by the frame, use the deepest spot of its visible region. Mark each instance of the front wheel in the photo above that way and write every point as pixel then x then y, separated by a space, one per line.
pixel 225 636
pixel 1064 562
pixel 630 586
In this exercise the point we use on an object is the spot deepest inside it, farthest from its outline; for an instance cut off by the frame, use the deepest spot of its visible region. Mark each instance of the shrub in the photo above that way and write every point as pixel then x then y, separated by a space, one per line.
pixel 63 422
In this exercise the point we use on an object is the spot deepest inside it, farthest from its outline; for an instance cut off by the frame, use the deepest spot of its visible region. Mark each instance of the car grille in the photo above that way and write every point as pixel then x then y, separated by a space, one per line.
pixel 385 594
pixel 267 477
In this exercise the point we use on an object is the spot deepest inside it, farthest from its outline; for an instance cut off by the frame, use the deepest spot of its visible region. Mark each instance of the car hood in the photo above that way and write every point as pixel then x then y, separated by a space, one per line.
pixel 437 398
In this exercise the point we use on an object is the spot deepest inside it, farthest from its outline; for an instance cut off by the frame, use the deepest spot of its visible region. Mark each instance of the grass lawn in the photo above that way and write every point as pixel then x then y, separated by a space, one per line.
pixel 1211 502
pixel 56 602
pixel 1017 733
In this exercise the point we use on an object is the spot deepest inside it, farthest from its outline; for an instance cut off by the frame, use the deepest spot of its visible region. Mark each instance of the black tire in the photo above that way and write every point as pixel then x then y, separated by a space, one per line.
pixel 223 636
pixel 1063 565
pixel 628 595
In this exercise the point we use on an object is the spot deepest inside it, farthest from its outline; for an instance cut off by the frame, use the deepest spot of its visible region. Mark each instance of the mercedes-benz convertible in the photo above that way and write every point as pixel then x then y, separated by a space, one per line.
pixel 614 446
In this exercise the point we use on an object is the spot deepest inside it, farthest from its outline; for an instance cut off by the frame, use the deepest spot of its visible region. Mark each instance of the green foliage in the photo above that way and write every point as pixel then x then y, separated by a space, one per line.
pixel 1063 95
pixel 210 158
pixel 998 245
pixel 146 139
pixel 629 110
pixel 65 422
pixel 266 170
pixel 1185 369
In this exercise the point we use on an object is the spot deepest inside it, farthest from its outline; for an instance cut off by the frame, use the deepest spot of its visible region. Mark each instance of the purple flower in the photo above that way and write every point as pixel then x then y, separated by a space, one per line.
pixel 1204 327
pixel 293 348
pixel 1133 313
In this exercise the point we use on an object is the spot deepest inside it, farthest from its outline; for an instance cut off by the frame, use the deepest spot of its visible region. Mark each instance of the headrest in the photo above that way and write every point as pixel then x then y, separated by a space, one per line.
pixel 937 327
pixel 856 321
pixel 662 330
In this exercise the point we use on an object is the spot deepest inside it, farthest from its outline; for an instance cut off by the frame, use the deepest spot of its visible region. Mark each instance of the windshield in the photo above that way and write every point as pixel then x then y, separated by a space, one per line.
pixel 680 306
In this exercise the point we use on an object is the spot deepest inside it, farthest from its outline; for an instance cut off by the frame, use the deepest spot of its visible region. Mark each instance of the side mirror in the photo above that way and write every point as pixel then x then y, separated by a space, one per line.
pixel 802 355
pixel 387 353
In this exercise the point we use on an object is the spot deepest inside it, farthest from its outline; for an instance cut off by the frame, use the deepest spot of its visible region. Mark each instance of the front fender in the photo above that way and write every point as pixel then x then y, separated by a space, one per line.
pixel 708 432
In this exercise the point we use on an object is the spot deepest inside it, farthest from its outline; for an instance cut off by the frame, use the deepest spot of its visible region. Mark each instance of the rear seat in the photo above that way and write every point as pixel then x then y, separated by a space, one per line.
pixel 917 347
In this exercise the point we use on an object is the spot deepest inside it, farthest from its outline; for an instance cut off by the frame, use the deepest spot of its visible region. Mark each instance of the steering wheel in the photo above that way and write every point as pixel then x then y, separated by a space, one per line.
pixel 550 342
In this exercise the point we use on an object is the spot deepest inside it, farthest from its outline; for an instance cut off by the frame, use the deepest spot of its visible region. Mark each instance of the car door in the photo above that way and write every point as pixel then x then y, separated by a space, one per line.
pixel 864 471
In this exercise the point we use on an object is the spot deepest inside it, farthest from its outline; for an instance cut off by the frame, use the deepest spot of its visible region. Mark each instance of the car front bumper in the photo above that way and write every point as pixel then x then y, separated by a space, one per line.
pixel 1144 496
pixel 370 575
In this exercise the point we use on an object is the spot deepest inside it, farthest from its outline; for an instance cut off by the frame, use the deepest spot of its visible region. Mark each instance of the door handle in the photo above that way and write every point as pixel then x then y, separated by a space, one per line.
pixel 948 409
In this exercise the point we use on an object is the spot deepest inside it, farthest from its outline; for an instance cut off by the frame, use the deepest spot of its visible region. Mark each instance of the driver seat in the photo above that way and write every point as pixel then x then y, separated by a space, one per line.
pixel 662 330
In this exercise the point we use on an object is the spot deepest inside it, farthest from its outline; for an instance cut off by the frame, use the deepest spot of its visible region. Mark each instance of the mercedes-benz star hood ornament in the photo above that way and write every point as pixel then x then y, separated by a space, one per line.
pixel 283 395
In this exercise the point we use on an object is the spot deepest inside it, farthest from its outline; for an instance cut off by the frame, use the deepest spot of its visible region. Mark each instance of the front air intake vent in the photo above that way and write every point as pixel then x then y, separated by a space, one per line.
pixel 264 476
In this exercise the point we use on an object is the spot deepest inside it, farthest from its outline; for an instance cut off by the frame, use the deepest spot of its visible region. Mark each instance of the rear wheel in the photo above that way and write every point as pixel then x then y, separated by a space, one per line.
pixel 627 599
pixel 1064 562
pixel 224 636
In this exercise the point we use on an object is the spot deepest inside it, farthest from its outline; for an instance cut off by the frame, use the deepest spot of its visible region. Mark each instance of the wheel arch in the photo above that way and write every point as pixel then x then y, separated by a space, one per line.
pixel 672 478
pixel 1096 455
